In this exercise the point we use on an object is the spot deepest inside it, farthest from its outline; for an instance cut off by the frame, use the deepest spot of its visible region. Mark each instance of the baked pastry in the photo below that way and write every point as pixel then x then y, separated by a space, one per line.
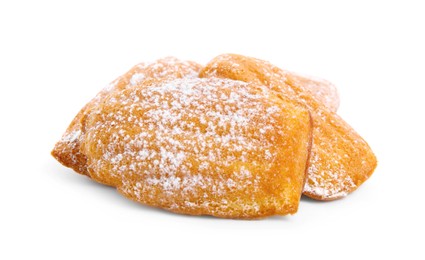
pixel 322 90
pixel 239 138
pixel 67 150
pixel 340 160
pixel 201 147
pixel 195 149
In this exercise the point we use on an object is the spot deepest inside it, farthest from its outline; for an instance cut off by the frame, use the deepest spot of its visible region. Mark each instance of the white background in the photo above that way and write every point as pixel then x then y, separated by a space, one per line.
pixel 55 56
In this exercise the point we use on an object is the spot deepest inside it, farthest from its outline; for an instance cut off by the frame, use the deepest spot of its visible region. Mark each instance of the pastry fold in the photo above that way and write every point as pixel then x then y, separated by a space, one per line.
pixel 340 160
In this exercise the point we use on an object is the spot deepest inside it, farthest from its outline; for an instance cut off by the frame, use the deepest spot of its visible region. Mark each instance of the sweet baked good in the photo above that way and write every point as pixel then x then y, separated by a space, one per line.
pixel 238 138
pixel 201 146
pixel 194 149
pixel 322 90
pixel 67 150
pixel 340 160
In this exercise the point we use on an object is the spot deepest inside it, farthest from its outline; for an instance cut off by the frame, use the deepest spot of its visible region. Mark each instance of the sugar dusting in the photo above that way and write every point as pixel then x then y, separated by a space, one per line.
pixel 327 183
pixel 184 136
pixel 324 91
pixel 72 136
pixel 340 159
pixel 67 149
pixel 70 142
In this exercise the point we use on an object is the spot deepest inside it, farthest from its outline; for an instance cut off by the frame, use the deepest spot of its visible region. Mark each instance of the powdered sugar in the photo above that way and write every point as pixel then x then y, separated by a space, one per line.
pixel 325 182
pixel 186 136
pixel 71 137
pixel 340 159
pixel 136 79
pixel 67 150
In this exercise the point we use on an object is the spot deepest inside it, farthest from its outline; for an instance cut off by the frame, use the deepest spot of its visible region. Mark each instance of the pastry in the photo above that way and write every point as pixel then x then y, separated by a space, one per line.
pixel 322 90
pixel 67 150
pixel 197 146
pixel 340 160
pixel 239 138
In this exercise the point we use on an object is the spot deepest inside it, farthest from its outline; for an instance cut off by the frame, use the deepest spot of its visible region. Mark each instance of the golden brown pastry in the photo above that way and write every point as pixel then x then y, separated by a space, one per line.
pixel 340 160
pixel 239 138
pixel 67 150
pixel 322 90
pixel 201 147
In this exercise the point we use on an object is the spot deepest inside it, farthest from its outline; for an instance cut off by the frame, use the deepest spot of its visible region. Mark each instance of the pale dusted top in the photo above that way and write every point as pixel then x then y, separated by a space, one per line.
pixel 201 146
pixel 67 150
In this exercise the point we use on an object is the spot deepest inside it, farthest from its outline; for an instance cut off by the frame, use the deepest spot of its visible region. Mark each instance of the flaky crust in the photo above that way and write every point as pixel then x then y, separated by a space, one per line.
pixel 201 147
pixel 67 150
pixel 340 160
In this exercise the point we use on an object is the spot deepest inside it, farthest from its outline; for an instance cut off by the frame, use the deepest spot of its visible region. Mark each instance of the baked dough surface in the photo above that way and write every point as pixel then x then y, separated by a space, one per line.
pixel 238 138
pixel 67 150
pixel 201 146
pixel 340 160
